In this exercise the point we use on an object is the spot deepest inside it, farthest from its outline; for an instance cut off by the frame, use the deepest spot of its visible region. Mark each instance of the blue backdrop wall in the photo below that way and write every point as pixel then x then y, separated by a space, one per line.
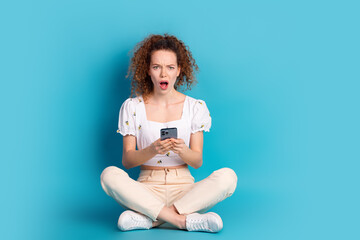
pixel 280 78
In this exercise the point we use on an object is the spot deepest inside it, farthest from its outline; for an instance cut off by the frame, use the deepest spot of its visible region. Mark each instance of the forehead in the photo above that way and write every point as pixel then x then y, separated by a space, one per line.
pixel 163 56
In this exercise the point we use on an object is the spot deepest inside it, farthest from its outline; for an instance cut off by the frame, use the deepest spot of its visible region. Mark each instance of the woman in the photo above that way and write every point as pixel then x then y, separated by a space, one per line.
pixel 165 190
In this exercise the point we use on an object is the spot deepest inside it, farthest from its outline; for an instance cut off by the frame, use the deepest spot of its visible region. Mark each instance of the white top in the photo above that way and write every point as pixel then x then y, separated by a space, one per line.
pixel 133 121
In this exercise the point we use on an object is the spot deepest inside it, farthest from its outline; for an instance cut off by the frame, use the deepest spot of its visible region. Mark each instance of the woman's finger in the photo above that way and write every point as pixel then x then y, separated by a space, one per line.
pixel 178 141
pixel 167 144
pixel 166 150
pixel 178 144
pixel 163 149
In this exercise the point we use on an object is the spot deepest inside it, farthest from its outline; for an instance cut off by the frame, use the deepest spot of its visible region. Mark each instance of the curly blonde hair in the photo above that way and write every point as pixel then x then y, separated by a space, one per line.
pixel 141 83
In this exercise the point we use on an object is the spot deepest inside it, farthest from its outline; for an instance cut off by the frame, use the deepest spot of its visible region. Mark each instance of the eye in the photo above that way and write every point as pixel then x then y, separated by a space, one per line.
pixel 155 67
pixel 171 67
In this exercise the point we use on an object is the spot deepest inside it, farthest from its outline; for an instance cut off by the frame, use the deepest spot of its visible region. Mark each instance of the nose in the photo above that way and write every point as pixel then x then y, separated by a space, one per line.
pixel 163 72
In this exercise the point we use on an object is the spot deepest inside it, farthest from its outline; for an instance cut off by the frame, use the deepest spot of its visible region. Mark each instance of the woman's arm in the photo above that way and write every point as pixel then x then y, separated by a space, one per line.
pixel 133 158
pixel 192 155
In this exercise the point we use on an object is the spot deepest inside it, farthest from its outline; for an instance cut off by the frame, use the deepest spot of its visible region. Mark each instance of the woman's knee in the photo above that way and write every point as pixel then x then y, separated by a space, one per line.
pixel 108 174
pixel 228 179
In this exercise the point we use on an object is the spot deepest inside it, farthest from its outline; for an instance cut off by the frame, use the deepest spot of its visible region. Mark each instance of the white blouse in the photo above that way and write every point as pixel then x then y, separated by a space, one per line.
pixel 133 121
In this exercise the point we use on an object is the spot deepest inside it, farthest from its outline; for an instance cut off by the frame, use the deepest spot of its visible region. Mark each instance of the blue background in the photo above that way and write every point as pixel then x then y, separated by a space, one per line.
pixel 281 80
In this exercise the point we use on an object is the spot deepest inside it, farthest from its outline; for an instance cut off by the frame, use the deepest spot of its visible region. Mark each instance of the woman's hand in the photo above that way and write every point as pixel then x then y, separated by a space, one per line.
pixel 179 146
pixel 161 147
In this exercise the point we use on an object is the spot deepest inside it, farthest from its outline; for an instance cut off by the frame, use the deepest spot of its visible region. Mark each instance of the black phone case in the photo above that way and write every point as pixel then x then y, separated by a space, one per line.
pixel 166 133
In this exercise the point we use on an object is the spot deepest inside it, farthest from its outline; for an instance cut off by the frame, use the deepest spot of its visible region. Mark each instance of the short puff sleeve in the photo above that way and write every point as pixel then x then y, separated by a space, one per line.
pixel 127 114
pixel 201 117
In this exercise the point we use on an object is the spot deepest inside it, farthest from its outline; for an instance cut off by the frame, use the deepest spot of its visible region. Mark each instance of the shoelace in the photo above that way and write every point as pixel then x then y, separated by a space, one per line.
pixel 138 220
pixel 198 224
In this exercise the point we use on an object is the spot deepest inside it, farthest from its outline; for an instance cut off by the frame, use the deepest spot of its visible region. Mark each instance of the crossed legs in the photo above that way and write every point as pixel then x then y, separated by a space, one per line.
pixel 201 197
pixel 172 216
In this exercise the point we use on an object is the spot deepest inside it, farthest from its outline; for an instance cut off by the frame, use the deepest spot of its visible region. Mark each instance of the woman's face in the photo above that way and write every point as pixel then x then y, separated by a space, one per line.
pixel 163 70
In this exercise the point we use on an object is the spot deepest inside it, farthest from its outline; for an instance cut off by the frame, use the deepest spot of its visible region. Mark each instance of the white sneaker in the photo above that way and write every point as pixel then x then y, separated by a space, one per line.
pixel 207 222
pixel 130 220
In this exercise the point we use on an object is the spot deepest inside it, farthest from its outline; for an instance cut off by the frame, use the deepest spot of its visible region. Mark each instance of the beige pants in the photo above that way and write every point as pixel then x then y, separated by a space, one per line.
pixel 155 189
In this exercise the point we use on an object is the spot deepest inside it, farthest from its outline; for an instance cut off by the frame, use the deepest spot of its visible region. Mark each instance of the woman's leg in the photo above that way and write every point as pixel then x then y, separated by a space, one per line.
pixel 201 197
pixel 130 193
pixel 157 223
pixel 208 192
pixel 171 215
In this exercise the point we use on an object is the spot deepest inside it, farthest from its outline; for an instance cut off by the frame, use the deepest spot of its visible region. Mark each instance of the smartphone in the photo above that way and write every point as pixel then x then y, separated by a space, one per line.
pixel 166 133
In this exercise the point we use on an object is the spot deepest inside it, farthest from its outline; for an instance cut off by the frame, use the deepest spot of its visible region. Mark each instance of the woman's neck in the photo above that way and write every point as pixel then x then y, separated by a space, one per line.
pixel 165 99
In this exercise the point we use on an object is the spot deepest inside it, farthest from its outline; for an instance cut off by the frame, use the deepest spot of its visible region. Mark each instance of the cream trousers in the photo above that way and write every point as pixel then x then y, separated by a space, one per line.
pixel 155 189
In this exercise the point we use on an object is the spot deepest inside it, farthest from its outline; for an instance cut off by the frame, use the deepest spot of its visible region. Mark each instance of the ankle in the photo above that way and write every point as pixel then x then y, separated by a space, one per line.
pixel 157 223
pixel 181 222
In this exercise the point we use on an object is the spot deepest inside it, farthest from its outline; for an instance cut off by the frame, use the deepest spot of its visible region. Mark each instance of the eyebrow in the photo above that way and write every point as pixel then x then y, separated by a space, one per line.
pixel 173 64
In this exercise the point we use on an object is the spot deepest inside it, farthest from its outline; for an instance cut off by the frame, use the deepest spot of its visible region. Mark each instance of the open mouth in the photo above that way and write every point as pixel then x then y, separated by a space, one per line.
pixel 164 84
